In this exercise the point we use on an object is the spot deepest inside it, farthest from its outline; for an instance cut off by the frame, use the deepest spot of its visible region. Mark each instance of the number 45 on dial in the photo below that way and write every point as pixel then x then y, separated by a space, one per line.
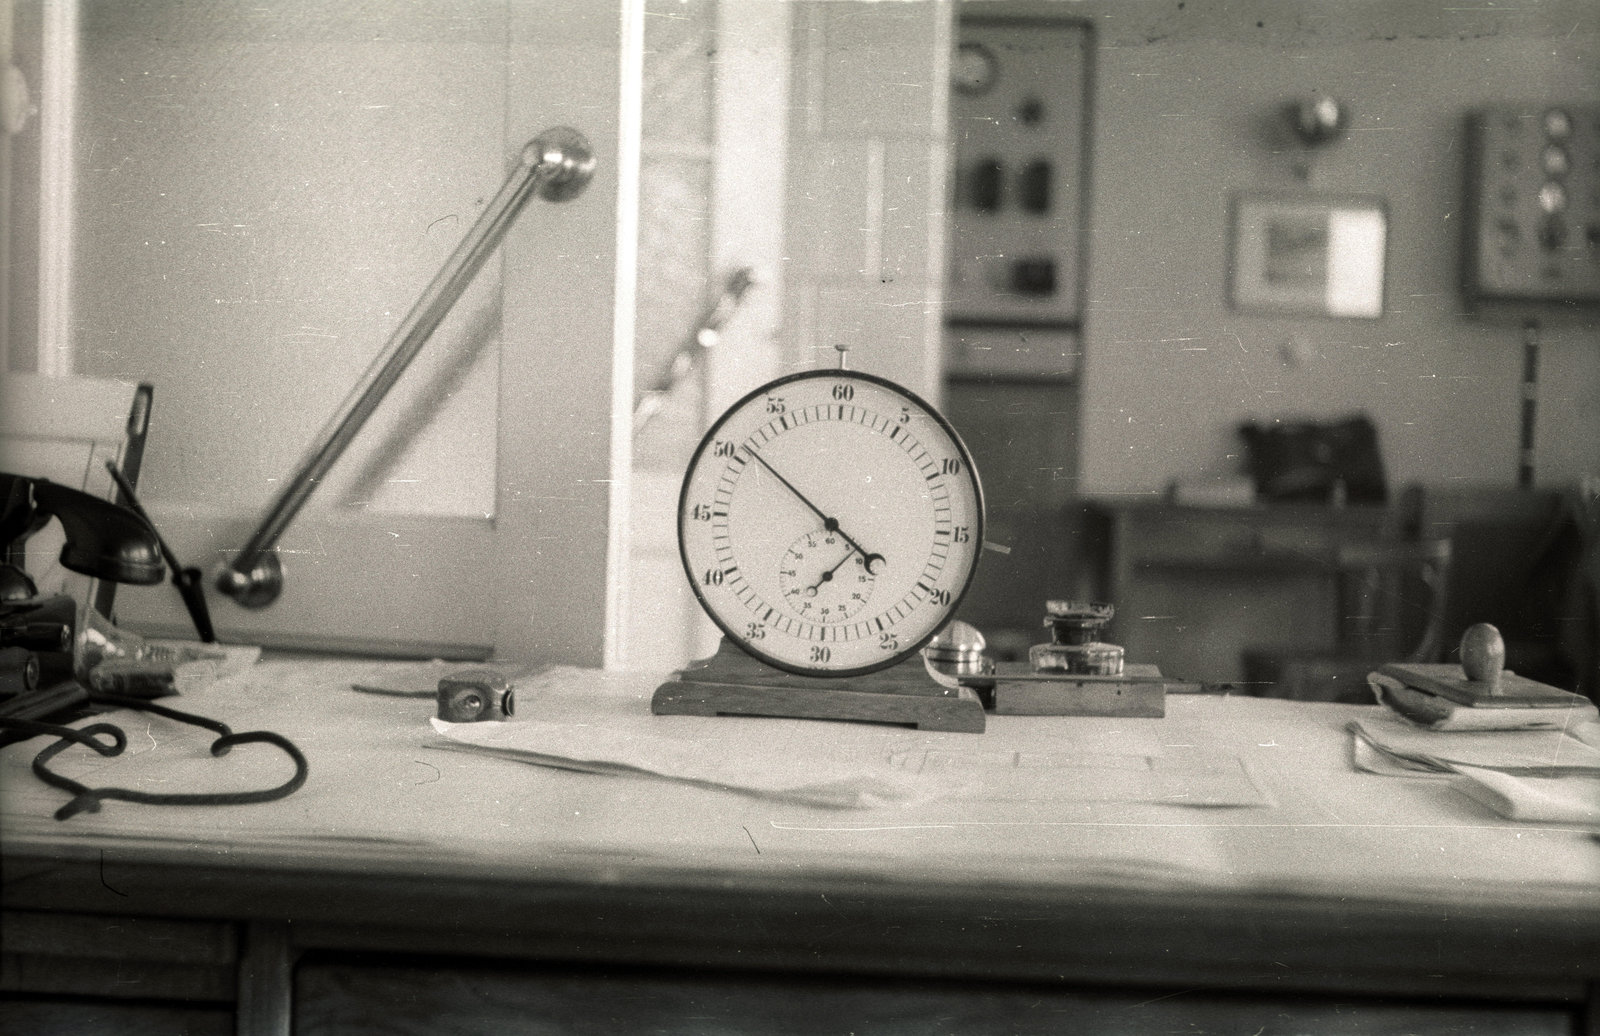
pixel 830 523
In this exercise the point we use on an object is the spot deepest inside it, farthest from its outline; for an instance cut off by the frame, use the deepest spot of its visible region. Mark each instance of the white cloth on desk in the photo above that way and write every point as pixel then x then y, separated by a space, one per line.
pixel 1387 743
pixel 380 799
pixel 1544 775
pixel 1552 800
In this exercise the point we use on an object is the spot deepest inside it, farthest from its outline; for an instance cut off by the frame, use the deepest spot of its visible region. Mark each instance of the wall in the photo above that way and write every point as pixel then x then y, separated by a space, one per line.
pixel 1184 95
pixel 864 222
pixel 251 230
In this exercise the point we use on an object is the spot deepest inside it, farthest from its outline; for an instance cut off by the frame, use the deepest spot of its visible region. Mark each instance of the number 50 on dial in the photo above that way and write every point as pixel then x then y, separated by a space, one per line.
pixel 830 523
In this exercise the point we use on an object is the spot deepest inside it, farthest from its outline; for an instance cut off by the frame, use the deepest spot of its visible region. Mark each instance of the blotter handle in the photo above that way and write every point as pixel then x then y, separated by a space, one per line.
pixel 557 165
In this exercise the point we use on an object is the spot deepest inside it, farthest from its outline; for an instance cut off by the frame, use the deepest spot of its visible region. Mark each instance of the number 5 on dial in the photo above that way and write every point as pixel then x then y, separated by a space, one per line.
pixel 836 534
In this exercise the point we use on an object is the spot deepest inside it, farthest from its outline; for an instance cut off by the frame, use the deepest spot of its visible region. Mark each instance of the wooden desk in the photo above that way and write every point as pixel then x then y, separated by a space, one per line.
pixel 431 889
pixel 1195 586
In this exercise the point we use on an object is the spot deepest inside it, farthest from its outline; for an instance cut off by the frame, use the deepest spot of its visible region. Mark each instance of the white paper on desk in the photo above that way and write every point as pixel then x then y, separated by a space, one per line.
pixel 844 766
pixel 1203 779
pixel 1388 744
pixel 635 746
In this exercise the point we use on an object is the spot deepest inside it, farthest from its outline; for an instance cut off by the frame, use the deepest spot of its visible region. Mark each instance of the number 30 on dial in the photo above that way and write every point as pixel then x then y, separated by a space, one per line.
pixel 830 523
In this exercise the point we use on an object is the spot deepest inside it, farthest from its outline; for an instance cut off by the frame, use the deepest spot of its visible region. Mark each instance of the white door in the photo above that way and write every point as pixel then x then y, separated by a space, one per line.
pixel 825 138
pixel 260 191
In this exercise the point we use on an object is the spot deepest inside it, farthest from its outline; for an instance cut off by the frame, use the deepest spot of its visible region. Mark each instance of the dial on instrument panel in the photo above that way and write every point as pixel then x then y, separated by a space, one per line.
pixel 830 523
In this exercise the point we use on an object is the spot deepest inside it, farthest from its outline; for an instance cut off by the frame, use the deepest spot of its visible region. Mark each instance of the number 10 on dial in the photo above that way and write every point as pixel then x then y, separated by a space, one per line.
pixel 830 523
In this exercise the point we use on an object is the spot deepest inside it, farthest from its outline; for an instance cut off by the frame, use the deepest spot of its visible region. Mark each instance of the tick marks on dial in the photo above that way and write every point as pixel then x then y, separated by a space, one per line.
pixel 824 580
pixel 799 499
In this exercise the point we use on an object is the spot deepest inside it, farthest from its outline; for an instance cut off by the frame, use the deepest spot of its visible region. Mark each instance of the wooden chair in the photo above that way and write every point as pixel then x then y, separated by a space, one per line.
pixel 1392 608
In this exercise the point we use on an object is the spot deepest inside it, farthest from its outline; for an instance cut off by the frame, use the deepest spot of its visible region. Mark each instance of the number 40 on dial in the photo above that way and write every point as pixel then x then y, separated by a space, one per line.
pixel 830 523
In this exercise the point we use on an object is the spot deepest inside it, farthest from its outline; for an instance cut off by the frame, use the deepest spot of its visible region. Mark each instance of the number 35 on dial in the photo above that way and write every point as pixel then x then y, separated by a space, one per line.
pixel 830 523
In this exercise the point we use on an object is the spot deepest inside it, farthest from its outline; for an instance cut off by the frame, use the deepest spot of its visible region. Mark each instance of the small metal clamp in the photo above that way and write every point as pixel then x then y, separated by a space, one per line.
pixel 474 696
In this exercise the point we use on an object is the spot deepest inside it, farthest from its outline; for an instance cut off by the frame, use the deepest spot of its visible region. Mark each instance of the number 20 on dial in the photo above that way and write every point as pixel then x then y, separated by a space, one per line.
pixel 830 523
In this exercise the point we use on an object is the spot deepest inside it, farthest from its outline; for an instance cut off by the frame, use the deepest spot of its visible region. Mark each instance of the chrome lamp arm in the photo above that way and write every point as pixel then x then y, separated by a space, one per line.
pixel 556 165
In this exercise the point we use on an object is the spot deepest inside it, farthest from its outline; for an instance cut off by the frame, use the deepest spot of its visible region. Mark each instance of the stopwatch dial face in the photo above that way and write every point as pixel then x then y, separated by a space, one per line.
pixel 830 523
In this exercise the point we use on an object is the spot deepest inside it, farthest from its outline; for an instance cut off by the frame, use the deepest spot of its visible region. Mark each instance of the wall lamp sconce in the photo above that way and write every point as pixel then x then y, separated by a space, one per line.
pixel 1317 120
pixel 1309 124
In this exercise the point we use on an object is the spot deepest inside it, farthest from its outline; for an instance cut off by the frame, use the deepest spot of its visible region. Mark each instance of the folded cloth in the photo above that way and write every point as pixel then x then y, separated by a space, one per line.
pixel 1541 774
pixel 1437 713
pixel 1573 799
pixel 1386 743
pixel 636 746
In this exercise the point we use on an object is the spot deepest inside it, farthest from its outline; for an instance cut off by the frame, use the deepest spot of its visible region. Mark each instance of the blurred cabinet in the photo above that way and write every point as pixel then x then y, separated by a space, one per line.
pixel 1195 587
pixel 1019 117
pixel 1019 132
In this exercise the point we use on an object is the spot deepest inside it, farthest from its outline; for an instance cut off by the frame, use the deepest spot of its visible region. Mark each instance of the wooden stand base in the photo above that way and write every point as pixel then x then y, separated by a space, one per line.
pixel 1016 689
pixel 731 683
pixel 1019 691
pixel 1509 692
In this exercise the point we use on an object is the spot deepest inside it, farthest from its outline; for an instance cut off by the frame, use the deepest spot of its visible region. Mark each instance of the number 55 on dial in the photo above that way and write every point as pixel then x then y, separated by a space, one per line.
pixel 830 523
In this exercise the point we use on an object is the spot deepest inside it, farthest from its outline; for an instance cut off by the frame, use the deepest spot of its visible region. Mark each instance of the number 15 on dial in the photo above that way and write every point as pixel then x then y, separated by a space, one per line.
pixel 830 523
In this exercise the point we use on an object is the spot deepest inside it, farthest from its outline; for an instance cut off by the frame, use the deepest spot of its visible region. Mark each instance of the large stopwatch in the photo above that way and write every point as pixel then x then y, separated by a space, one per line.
pixel 830 523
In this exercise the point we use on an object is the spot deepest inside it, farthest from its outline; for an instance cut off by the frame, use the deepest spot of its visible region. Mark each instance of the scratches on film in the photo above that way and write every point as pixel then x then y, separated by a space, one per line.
pixel 103 880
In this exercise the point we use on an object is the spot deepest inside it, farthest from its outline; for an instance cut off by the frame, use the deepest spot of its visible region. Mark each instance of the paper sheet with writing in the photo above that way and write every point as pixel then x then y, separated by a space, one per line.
pixel 851 766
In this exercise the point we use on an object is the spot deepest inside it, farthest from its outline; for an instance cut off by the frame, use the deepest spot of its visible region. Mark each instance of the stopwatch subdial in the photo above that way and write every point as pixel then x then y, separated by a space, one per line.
pixel 824 579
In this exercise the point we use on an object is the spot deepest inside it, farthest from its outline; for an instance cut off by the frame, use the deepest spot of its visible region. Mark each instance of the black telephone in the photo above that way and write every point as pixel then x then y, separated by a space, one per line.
pixel 41 685
pixel 38 632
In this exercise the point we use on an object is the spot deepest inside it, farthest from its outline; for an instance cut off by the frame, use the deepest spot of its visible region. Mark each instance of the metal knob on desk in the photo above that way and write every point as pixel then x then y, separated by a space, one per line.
pixel 475 696
pixel 960 648
pixel 1483 655
pixel 19 671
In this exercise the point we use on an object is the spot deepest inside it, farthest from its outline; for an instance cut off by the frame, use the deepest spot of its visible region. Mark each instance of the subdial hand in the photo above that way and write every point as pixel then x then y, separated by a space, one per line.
pixel 828 523
pixel 823 596
pixel 827 577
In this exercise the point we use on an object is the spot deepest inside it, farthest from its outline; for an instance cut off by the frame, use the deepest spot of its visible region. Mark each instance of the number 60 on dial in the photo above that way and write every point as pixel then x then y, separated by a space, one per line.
pixel 830 523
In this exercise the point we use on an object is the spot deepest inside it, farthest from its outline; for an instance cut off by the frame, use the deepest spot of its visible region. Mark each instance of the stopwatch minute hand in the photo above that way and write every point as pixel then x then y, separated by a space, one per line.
pixel 830 524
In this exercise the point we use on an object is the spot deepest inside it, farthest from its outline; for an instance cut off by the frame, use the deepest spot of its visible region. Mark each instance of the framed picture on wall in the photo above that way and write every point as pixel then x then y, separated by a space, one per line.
pixel 1309 255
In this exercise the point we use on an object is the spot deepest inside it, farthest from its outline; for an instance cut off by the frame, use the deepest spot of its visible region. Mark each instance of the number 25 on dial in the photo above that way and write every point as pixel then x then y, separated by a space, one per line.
pixel 830 523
